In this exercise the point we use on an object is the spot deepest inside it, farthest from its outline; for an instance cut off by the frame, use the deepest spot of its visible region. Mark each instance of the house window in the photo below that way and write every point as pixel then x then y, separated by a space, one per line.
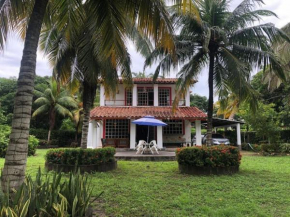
pixel 164 96
pixel 117 129
pixel 174 127
pixel 128 97
pixel 145 96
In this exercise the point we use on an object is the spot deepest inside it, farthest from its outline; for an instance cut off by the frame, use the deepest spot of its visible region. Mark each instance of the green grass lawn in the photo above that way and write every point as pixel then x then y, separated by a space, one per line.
pixel 262 188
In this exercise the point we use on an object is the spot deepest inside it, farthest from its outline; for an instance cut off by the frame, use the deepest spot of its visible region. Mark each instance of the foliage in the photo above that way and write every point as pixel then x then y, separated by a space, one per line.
pixel 262 175
pixel 215 156
pixel 263 122
pixel 275 148
pixel 42 196
pixel 32 145
pixel 79 156
pixel 271 149
pixel 61 138
pixel 67 124
pixel 4 141
pixel 198 101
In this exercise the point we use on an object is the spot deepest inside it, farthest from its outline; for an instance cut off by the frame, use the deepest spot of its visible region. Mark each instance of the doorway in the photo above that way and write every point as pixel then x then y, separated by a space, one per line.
pixel 142 132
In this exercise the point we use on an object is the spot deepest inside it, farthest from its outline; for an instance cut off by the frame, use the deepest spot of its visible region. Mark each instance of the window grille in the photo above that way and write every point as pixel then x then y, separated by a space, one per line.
pixel 145 96
pixel 128 97
pixel 116 128
pixel 174 127
pixel 164 96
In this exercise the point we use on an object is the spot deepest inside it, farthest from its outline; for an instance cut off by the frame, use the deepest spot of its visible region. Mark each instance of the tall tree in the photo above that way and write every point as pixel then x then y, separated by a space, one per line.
pixel 90 55
pixel 16 155
pixel 228 43
pixel 54 102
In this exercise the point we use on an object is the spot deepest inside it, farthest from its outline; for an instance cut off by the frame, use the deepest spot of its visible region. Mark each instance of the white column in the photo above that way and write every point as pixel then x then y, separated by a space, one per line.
pixel 198 132
pixel 132 135
pixel 98 140
pixel 187 133
pixel 239 142
pixel 100 134
pixel 90 135
pixel 187 98
pixel 134 95
pixel 102 96
pixel 160 137
pixel 156 99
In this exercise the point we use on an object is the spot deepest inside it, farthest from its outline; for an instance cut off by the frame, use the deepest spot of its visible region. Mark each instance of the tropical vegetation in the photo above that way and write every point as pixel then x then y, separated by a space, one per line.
pixel 225 41
pixel 55 101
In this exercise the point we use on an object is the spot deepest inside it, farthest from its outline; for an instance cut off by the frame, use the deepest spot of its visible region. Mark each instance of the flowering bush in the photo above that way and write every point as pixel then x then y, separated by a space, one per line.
pixel 215 156
pixel 78 156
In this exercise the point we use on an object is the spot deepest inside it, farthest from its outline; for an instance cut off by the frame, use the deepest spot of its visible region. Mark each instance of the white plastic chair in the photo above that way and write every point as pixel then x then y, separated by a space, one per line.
pixel 153 146
pixel 140 147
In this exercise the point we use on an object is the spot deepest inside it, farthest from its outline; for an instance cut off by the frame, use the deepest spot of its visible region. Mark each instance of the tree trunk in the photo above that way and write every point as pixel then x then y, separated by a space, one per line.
pixel 210 101
pixel 89 93
pixel 52 116
pixel 13 173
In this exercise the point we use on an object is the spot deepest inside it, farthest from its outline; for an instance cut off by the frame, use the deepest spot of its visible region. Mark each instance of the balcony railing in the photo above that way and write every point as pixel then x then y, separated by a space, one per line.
pixel 124 103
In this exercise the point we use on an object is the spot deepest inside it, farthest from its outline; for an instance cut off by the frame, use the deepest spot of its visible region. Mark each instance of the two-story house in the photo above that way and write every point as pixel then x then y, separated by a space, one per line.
pixel 111 122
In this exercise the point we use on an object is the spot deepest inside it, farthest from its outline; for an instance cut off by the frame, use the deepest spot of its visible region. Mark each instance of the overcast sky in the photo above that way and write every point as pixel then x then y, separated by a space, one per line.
pixel 10 59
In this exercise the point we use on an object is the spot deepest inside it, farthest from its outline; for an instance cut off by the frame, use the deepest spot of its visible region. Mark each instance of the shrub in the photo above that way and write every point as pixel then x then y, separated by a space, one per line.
pixel 32 145
pixel 46 197
pixel 78 156
pixel 215 156
pixel 285 148
pixel 271 149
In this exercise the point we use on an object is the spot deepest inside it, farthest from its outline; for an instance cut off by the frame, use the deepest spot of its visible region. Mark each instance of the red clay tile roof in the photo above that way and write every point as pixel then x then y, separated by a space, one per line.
pixel 158 81
pixel 187 113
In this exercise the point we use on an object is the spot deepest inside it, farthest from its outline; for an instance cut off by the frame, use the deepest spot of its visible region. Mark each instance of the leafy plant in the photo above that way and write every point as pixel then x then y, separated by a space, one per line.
pixel 77 156
pixel 215 156
pixel 4 140
pixel 271 149
pixel 45 197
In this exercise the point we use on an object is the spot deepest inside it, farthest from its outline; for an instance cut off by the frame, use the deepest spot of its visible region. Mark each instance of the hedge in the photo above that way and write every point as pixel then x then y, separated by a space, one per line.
pixel 78 156
pixel 215 156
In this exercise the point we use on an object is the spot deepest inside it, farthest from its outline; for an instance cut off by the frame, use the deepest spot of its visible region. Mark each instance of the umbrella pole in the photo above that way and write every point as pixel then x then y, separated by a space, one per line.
pixel 148 134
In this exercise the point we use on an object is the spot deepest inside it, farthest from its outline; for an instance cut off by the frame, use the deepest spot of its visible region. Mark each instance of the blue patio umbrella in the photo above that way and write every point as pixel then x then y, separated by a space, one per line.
pixel 149 121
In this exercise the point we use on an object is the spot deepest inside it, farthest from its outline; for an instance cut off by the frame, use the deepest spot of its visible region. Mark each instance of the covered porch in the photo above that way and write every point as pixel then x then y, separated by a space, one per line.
pixel 111 126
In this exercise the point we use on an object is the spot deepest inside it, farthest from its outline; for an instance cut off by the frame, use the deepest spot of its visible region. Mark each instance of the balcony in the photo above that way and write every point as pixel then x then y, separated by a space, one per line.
pixel 127 103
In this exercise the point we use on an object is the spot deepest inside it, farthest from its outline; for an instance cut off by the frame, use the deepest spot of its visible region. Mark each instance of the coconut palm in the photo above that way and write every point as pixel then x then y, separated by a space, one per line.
pixel 107 17
pixel 54 102
pixel 228 43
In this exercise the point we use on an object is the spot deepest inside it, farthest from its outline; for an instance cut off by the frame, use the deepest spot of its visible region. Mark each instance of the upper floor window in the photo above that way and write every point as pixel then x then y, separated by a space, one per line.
pixel 128 98
pixel 145 96
pixel 164 96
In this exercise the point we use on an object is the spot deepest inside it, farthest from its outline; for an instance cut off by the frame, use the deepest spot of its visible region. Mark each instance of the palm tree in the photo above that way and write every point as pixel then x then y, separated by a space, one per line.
pixel 228 106
pixel 55 103
pixel 106 16
pixel 16 155
pixel 225 41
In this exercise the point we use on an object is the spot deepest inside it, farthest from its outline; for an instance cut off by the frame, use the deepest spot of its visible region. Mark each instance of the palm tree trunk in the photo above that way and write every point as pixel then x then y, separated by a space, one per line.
pixel 16 155
pixel 89 93
pixel 210 101
pixel 52 116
